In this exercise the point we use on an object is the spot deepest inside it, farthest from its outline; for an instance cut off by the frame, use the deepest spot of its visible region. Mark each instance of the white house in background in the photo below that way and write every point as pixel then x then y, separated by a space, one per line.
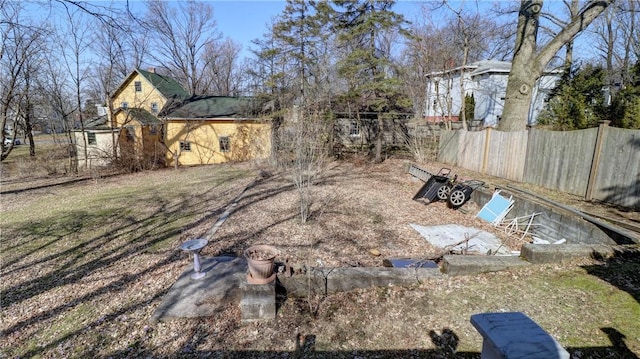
pixel 486 80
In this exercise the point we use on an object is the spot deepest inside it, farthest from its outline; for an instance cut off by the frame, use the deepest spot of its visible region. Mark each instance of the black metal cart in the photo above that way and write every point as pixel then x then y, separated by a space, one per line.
pixel 461 192
pixel 437 187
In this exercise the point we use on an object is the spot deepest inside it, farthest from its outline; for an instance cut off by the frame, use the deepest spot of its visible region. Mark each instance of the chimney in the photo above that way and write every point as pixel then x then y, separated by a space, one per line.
pixel 152 70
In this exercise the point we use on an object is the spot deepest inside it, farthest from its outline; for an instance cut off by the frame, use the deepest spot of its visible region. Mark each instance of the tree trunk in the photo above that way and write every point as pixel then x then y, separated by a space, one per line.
pixel 568 59
pixel 28 127
pixel 463 97
pixel 379 138
pixel 528 64
pixel 523 76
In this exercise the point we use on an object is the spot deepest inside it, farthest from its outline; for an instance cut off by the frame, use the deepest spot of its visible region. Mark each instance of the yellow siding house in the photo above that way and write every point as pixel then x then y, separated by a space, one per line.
pixel 214 129
pixel 158 122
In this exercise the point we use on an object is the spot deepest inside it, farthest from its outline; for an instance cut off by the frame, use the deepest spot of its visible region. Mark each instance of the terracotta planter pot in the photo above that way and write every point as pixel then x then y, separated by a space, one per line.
pixel 261 261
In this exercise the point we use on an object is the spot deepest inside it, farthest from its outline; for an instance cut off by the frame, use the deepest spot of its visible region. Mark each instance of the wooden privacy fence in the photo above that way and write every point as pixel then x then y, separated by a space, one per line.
pixel 598 163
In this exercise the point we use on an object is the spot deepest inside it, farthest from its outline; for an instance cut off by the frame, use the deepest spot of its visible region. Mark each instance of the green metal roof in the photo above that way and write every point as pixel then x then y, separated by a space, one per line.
pixel 212 107
pixel 167 86
pixel 143 116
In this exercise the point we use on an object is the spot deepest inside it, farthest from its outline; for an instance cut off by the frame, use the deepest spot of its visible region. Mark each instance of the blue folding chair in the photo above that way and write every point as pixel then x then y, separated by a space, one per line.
pixel 496 209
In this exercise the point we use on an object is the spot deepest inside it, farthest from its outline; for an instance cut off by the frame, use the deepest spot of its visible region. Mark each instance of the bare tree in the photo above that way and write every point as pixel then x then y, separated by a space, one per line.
pixel 181 36
pixel 74 46
pixel 441 46
pixel 616 33
pixel 303 156
pixel 21 43
pixel 59 96
pixel 119 50
pixel 529 62
pixel 222 75
pixel 472 31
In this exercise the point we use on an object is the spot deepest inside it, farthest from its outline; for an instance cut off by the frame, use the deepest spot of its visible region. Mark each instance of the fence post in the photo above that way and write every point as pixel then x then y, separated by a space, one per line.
pixel 595 163
pixel 485 155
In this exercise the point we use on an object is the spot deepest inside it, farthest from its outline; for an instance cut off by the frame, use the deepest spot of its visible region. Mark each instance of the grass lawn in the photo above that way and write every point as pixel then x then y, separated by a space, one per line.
pixel 85 264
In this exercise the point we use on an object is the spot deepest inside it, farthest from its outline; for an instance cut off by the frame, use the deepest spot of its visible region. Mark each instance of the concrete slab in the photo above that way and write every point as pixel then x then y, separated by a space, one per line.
pixel 551 253
pixel 447 235
pixel 189 298
pixel 466 265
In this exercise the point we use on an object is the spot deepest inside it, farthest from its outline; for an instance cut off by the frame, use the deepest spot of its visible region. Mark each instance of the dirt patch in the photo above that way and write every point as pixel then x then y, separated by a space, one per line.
pixel 360 215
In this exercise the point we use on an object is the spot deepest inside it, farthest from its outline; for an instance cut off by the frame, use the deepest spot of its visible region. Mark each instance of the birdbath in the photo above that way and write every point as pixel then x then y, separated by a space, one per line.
pixel 194 246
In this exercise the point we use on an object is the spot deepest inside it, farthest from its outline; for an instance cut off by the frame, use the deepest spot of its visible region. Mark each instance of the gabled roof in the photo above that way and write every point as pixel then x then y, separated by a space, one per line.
pixel 168 87
pixel 476 68
pixel 143 116
pixel 212 107
pixel 96 123
pixel 139 114
pixel 483 67
pixel 491 66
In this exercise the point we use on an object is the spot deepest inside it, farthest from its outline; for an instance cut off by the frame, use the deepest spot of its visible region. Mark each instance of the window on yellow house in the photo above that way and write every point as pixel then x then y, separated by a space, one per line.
pixel 185 146
pixel 154 107
pixel 91 138
pixel 124 105
pixel 138 85
pixel 225 145
pixel 131 133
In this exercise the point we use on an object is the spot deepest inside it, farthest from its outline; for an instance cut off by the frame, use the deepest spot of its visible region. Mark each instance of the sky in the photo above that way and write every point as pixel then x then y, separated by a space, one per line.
pixel 247 20
pixel 244 21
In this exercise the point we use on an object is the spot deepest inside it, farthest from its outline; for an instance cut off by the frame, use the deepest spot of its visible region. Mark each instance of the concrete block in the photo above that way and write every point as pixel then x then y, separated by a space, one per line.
pixel 552 253
pixel 465 265
pixel 258 302
pixel 341 279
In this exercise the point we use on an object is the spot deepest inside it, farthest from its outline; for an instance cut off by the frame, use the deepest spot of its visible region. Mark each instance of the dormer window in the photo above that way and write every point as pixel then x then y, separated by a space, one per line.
pixel 124 105
pixel 138 85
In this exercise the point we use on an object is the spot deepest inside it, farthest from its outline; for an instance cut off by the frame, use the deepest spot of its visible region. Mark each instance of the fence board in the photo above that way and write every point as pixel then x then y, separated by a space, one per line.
pixel 468 155
pixel 554 159
pixel 507 154
pixel 560 160
pixel 618 177
pixel 448 147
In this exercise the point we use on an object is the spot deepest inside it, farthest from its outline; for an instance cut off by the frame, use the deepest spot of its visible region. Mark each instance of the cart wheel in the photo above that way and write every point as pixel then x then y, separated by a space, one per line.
pixel 457 198
pixel 443 192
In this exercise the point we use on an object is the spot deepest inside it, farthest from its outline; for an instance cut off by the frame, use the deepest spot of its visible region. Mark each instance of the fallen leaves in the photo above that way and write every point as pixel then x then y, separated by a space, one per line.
pixel 61 301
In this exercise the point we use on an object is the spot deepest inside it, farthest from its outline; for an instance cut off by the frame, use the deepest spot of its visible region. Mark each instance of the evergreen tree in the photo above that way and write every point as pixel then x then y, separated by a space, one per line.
pixel 296 55
pixel 469 108
pixel 578 102
pixel 625 106
pixel 367 67
pixel 300 35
